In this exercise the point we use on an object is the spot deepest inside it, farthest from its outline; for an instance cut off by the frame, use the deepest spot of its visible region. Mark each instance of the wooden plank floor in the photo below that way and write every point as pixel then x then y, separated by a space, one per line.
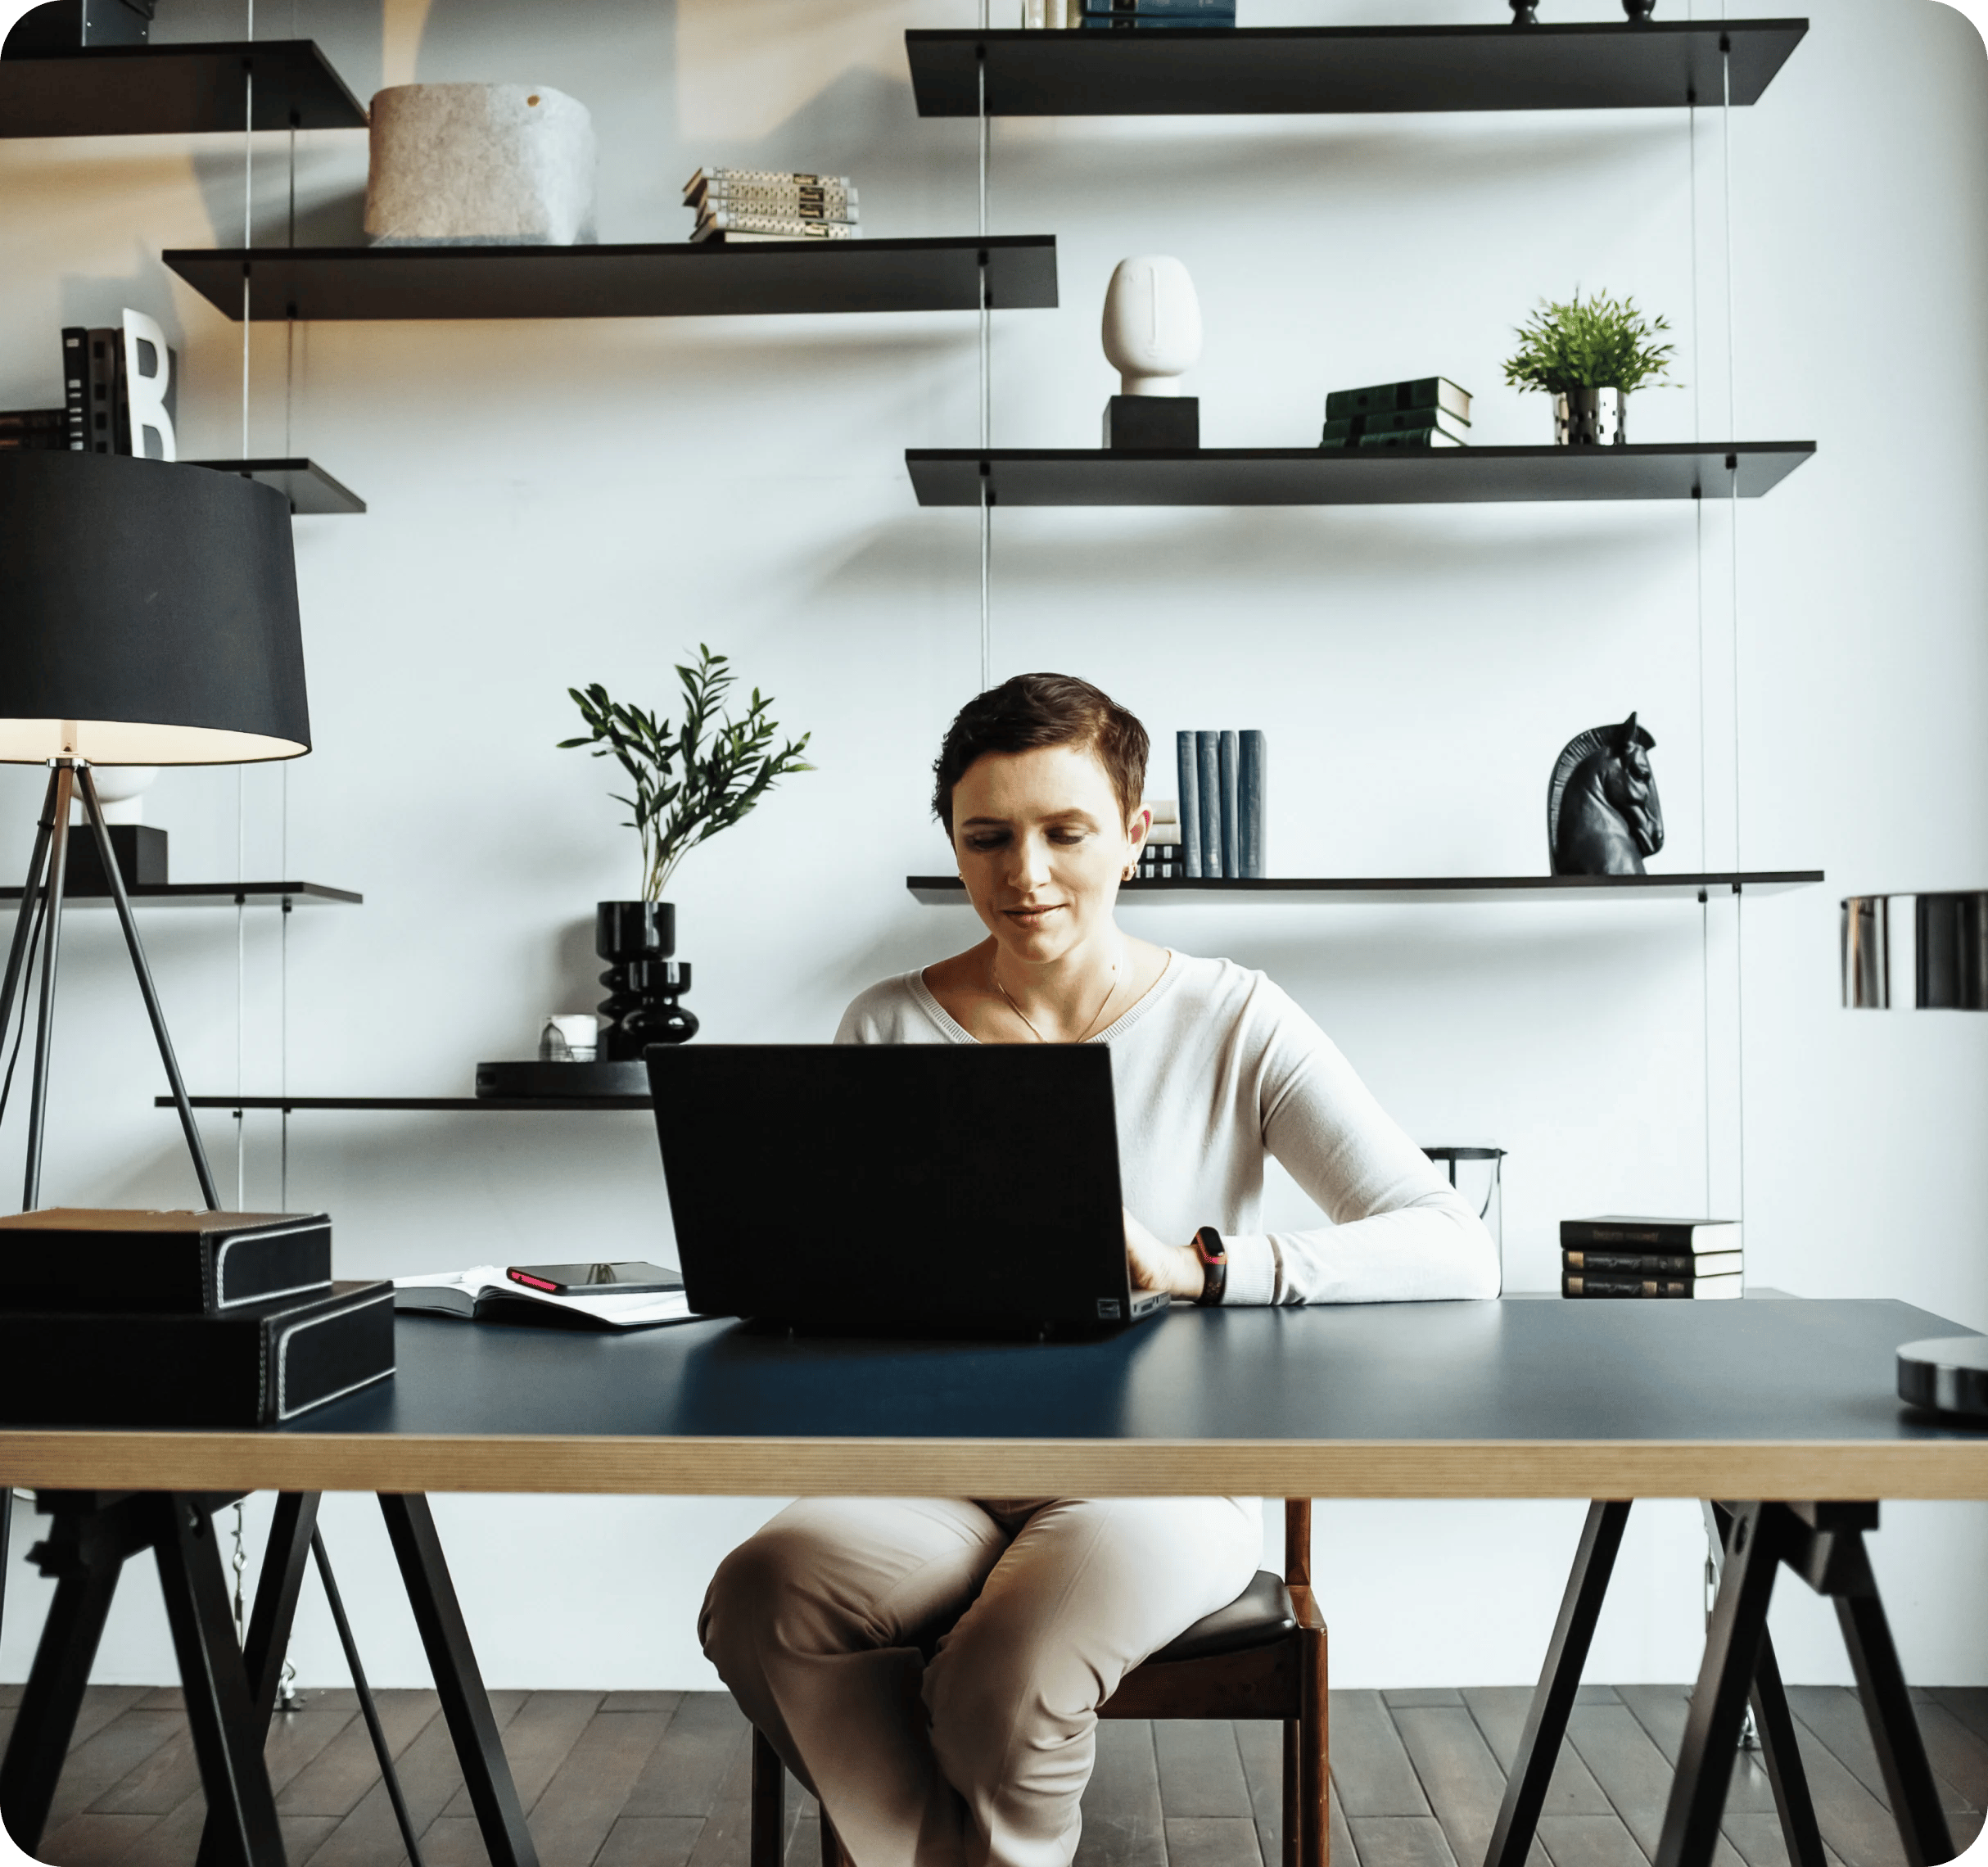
pixel 659 1779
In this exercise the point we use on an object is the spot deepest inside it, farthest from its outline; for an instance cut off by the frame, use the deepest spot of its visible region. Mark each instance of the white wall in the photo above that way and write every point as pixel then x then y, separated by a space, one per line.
pixel 559 503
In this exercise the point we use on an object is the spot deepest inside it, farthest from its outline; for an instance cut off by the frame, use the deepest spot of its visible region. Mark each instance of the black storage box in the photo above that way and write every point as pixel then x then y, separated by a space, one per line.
pixel 87 1260
pixel 257 1367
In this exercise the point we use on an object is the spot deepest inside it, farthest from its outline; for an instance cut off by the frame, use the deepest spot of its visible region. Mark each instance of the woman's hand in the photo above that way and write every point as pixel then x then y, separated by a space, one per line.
pixel 1175 1268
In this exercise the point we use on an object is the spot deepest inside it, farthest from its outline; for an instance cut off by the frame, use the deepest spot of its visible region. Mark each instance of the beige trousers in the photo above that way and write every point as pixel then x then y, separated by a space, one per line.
pixel 932 1668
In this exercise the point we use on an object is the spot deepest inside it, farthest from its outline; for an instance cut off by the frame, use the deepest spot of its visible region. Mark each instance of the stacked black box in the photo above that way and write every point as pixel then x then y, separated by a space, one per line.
pixel 208 1319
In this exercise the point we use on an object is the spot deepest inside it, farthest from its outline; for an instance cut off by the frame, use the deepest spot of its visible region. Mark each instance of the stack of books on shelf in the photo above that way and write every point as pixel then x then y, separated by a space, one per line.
pixel 25 431
pixel 1160 860
pixel 1430 411
pixel 1123 16
pixel 736 207
pixel 1224 778
pixel 1614 1256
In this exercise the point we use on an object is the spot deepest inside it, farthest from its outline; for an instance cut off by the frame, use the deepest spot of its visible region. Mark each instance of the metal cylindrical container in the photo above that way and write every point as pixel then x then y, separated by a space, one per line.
pixel 1589 418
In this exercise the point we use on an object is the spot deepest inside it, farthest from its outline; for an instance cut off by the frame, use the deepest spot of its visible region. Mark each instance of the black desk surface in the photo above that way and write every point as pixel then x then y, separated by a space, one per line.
pixel 1516 1398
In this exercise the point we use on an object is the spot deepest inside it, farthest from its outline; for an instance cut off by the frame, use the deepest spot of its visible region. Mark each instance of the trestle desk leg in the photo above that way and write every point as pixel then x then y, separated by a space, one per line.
pixel 1546 1719
pixel 485 1771
pixel 48 1714
pixel 220 1711
pixel 1780 1751
pixel 270 1622
pixel 1733 1645
pixel 1895 1727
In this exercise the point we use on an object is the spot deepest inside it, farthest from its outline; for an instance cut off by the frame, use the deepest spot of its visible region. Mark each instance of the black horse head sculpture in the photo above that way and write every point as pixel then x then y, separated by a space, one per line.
pixel 1602 816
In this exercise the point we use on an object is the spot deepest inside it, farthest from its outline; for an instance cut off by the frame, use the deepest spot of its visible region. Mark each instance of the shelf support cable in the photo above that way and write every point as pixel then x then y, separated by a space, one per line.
pixel 986 379
pixel 1739 902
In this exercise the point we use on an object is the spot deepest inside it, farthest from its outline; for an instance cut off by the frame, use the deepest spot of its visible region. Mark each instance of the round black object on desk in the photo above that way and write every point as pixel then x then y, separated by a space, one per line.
pixel 495 1081
pixel 1948 1374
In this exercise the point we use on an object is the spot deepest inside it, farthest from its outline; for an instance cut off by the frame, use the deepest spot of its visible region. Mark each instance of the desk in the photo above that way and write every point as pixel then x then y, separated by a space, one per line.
pixel 1749 1401
pixel 1509 1399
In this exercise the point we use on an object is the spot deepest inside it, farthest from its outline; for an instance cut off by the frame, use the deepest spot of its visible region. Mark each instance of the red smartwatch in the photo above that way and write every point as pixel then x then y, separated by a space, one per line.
pixel 1208 1248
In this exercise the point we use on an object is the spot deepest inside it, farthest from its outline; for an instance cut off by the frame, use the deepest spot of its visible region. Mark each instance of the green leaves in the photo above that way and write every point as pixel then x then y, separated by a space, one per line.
pixel 1595 343
pixel 687 790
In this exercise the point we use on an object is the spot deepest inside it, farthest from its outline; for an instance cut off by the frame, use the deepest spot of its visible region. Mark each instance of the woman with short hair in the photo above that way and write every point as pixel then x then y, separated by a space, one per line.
pixel 932 1669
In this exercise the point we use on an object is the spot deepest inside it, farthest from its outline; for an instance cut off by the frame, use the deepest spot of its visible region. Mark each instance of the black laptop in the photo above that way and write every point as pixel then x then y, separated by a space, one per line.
pixel 897 1187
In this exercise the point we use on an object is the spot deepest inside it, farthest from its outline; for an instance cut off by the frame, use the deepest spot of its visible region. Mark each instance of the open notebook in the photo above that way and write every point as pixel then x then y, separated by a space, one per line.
pixel 483 1294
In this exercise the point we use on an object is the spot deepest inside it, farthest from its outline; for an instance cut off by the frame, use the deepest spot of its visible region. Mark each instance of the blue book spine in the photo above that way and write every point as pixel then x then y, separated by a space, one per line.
pixel 1187 758
pixel 1146 8
pixel 1208 756
pixel 1252 781
pixel 1232 814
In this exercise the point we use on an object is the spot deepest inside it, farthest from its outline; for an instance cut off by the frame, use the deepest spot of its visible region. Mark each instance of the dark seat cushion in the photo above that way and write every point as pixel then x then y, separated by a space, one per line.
pixel 1259 1617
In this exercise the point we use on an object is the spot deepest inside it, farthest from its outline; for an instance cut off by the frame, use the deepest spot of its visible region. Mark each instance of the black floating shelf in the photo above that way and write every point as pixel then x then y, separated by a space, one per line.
pixel 626 282
pixel 940 891
pixel 1274 70
pixel 451 1104
pixel 215 894
pixel 153 90
pixel 311 490
pixel 1312 476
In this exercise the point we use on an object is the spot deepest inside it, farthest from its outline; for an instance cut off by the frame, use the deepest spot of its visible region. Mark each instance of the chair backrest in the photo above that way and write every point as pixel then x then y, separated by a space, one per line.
pixel 1298 1541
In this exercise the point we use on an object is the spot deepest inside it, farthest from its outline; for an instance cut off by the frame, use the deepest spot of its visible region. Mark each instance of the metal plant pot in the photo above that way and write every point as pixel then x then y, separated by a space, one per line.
pixel 1589 418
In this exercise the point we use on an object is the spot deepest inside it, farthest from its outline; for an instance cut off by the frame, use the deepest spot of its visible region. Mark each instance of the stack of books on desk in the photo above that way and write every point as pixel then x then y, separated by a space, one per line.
pixel 121 1318
pixel 34 431
pixel 1615 1256
pixel 736 207
pixel 1428 411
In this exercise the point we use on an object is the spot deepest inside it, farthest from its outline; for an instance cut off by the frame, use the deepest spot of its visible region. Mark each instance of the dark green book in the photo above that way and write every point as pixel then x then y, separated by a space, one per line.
pixel 1349 431
pixel 1413 437
pixel 1424 393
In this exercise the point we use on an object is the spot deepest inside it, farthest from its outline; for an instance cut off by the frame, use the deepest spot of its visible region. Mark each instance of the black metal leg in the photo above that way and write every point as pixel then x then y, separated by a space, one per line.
pixel 227 1737
pixel 1546 1720
pixel 368 1709
pixel 1719 1702
pixel 1782 1752
pixel 30 895
pixel 54 1694
pixel 1895 1727
pixel 485 1771
pixel 58 874
pixel 115 876
pixel 277 1589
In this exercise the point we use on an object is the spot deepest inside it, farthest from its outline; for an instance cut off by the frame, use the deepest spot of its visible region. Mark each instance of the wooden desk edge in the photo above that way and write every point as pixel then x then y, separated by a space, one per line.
pixel 780 1467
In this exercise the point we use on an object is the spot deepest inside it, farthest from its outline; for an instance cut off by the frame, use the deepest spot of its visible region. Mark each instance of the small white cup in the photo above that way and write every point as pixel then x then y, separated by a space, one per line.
pixel 569 1037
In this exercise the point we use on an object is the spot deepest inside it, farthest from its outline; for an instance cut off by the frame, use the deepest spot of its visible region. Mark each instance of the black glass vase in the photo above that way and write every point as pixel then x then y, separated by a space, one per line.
pixel 637 939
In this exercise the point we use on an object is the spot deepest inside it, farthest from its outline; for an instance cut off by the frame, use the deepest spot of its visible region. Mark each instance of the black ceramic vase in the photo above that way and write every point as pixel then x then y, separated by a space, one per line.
pixel 637 939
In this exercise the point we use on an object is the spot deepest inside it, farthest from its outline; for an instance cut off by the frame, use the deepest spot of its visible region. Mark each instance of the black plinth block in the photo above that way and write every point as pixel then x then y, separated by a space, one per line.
pixel 140 849
pixel 1147 424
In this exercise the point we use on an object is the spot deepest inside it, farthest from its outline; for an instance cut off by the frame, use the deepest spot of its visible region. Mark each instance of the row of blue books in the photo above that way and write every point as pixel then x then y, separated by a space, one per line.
pixel 1121 15
pixel 1223 780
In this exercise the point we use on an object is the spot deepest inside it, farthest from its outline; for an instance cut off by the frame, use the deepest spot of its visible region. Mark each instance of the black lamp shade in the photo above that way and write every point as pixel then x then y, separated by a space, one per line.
pixel 148 615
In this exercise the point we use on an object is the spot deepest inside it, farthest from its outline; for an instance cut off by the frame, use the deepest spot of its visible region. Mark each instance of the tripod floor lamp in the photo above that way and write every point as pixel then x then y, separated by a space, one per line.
pixel 148 616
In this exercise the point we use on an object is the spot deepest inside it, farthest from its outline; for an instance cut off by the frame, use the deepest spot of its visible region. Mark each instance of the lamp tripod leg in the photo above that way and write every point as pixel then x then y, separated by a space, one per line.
pixel 58 875
pixel 115 876
pixel 24 922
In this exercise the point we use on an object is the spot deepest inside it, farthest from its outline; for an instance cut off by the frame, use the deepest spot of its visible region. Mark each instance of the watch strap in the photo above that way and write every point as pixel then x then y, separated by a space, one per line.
pixel 1214 1257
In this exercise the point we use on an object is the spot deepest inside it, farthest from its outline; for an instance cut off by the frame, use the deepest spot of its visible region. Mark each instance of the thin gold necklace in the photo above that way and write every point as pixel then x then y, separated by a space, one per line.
pixel 1111 992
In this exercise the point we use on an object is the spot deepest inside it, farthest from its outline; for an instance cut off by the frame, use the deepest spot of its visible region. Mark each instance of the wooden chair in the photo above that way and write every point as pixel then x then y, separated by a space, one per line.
pixel 1261 1656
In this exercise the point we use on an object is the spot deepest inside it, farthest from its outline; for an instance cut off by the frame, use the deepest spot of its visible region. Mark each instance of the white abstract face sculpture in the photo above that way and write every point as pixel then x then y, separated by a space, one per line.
pixel 1152 324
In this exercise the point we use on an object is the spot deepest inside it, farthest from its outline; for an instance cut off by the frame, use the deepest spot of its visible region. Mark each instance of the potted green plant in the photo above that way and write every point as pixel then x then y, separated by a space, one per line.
pixel 690 780
pixel 1589 354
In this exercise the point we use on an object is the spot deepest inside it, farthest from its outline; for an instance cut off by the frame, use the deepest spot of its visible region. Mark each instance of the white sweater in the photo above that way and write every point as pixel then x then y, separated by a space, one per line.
pixel 1216 1067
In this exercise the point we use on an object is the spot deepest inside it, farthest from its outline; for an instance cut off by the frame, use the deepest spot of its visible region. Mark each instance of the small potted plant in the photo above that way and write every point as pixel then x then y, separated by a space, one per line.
pixel 1588 355
pixel 691 781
